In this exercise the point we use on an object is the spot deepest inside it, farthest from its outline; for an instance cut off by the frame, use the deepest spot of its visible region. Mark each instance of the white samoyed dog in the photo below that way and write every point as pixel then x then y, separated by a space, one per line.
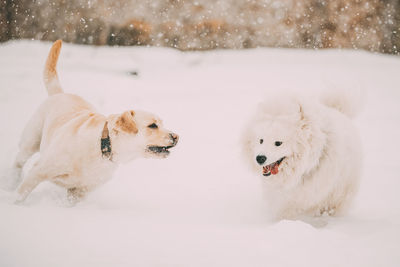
pixel 307 151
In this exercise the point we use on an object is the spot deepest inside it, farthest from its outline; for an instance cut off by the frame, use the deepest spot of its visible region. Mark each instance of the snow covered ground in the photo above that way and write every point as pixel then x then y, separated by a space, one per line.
pixel 201 206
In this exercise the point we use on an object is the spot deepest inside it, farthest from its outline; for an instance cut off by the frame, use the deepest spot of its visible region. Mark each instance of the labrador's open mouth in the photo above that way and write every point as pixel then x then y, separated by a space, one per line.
pixel 272 168
pixel 159 149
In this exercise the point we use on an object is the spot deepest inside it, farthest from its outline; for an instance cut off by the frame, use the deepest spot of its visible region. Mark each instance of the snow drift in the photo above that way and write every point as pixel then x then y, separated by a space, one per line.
pixel 202 206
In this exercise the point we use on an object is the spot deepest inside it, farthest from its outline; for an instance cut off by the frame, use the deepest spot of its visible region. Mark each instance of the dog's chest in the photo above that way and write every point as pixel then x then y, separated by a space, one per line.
pixel 97 174
pixel 88 176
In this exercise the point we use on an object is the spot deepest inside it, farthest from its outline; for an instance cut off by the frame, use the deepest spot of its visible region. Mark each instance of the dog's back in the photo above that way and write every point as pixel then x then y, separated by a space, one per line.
pixel 349 102
pixel 57 109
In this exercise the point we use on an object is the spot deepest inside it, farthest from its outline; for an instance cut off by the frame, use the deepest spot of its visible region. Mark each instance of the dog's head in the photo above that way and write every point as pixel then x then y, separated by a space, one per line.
pixel 282 142
pixel 139 134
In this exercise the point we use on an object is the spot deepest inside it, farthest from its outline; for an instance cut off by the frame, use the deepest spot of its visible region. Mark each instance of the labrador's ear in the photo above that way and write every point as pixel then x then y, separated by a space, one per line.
pixel 125 122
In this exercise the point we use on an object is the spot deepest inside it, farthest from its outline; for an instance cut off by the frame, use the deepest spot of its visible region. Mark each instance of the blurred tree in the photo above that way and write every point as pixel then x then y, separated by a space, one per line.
pixel 373 25
pixel 4 24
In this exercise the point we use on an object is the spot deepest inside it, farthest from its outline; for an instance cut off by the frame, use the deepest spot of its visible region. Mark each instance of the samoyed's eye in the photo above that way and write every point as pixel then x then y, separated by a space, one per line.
pixel 278 143
pixel 261 141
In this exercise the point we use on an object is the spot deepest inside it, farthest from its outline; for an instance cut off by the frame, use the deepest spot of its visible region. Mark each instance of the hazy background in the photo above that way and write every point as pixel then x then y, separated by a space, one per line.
pixel 207 24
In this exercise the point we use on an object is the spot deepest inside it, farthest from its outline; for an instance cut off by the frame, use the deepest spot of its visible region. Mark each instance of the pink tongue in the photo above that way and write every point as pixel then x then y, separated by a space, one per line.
pixel 274 169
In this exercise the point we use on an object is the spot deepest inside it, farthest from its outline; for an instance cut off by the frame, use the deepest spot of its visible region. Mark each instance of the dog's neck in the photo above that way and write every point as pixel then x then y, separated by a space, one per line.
pixel 106 143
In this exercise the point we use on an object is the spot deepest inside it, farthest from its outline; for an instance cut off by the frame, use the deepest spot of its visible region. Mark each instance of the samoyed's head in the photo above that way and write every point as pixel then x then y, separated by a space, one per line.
pixel 282 142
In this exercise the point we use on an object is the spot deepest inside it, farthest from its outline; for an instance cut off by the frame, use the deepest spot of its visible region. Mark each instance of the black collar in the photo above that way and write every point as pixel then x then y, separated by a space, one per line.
pixel 106 143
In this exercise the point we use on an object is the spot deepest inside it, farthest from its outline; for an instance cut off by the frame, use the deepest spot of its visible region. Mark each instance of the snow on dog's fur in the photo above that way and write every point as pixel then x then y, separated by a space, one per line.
pixel 307 152
pixel 80 148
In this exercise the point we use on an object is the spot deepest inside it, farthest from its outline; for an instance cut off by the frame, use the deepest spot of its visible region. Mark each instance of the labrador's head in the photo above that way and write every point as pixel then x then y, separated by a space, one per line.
pixel 140 134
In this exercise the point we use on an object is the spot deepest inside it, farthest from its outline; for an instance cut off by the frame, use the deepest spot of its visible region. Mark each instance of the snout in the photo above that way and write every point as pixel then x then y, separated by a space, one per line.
pixel 174 137
pixel 261 159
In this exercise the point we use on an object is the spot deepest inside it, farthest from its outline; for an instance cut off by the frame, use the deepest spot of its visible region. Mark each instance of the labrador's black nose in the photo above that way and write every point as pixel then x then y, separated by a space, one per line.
pixel 174 138
pixel 261 159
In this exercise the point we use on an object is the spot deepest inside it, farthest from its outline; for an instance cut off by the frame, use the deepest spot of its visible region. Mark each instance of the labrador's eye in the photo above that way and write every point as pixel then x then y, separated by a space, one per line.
pixel 153 126
pixel 278 143
pixel 261 141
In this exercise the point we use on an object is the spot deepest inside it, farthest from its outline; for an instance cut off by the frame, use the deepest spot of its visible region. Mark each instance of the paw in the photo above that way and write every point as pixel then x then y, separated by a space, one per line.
pixel 327 211
pixel 75 195
pixel 19 200
pixel 72 199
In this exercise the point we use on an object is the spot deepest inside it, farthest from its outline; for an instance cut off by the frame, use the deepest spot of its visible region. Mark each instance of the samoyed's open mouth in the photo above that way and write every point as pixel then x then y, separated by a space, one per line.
pixel 272 168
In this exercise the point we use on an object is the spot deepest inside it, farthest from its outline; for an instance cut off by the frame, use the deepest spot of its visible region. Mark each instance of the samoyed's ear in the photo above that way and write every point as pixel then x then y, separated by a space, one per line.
pixel 304 122
pixel 125 123
pixel 301 111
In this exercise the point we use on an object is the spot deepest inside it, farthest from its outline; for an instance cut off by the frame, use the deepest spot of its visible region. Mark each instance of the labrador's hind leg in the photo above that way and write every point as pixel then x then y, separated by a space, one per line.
pixel 33 179
pixel 28 145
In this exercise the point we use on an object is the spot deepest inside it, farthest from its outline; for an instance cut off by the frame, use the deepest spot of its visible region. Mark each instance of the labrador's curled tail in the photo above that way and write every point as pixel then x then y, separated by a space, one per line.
pixel 50 72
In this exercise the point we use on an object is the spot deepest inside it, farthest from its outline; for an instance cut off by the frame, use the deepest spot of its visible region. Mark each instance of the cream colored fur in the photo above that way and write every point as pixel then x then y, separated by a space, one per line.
pixel 321 149
pixel 67 131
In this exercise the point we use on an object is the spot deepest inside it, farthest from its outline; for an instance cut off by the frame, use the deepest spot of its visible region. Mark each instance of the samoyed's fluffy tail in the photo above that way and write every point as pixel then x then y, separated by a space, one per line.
pixel 350 101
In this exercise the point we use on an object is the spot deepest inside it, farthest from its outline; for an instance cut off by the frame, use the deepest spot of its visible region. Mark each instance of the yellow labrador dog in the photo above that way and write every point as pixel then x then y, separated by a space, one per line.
pixel 80 148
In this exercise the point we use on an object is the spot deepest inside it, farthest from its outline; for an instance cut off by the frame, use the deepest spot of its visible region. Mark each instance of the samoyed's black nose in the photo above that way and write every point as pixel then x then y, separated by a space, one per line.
pixel 261 159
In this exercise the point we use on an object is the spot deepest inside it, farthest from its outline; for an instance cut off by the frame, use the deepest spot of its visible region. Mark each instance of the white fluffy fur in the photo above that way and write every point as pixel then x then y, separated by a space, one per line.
pixel 322 150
